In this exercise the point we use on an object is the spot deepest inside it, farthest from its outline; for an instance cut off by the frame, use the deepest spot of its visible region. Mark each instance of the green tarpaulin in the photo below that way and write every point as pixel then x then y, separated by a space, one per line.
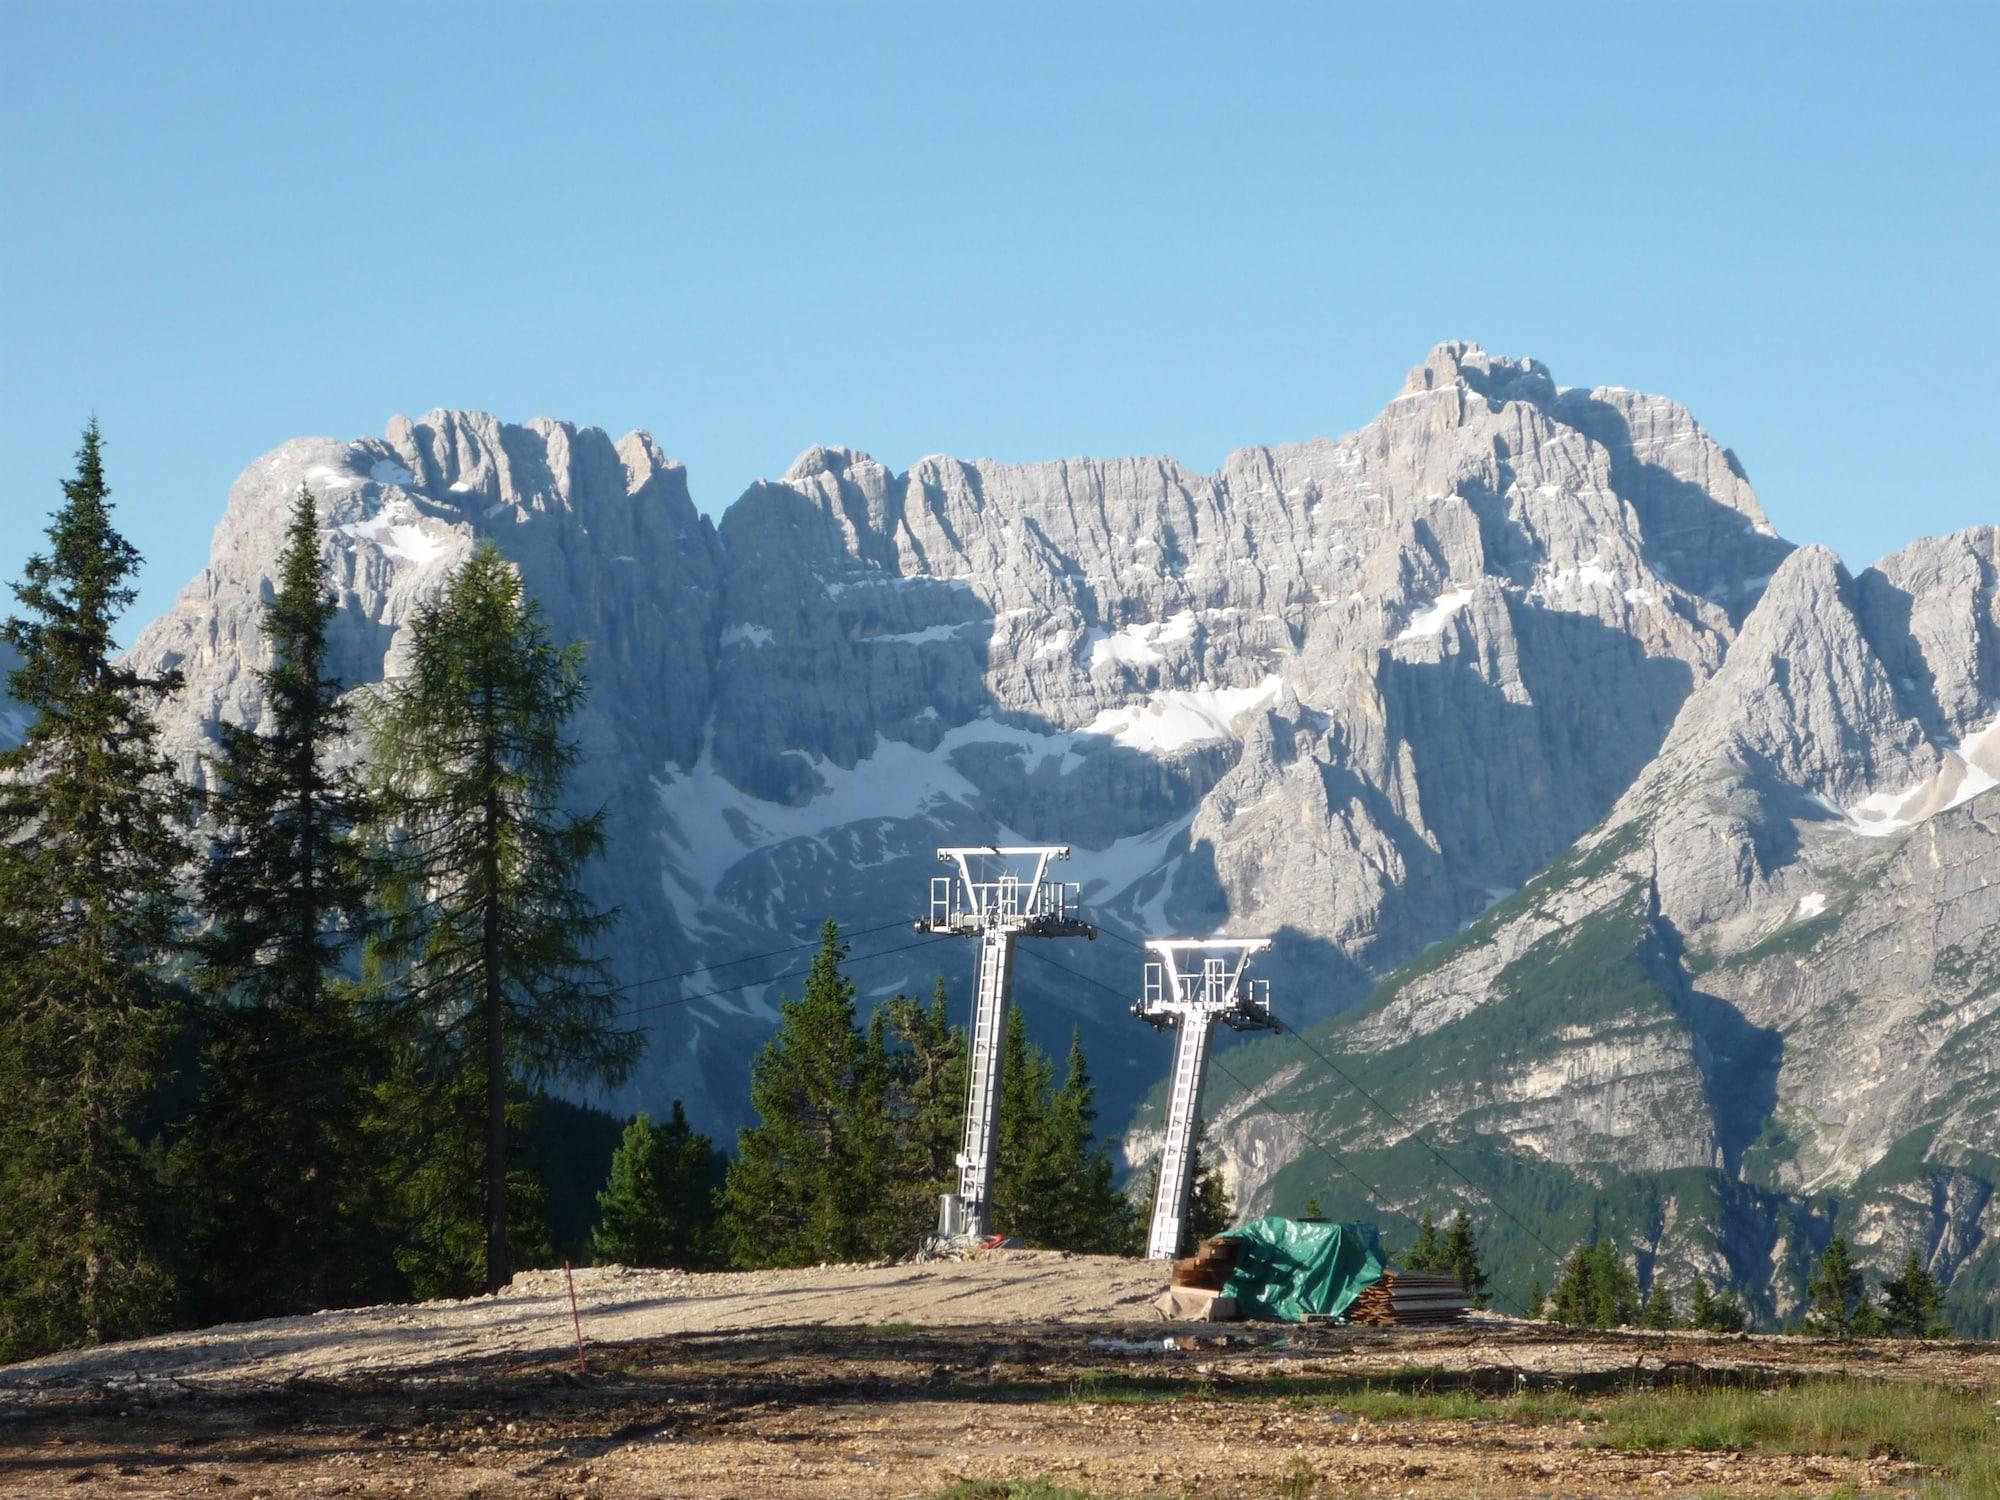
pixel 1290 1269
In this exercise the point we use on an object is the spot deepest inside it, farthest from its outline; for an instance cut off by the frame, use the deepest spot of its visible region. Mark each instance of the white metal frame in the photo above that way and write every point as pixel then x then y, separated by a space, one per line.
pixel 1195 983
pixel 996 911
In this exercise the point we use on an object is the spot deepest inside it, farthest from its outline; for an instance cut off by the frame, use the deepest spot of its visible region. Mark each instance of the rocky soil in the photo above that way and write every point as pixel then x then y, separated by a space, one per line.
pixel 888 1380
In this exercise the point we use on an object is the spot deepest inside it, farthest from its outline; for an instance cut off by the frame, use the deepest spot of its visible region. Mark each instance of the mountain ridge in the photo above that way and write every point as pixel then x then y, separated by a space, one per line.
pixel 1366 694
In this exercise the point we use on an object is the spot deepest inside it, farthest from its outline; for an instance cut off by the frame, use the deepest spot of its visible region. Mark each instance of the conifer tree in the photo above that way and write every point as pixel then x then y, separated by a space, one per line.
pixel 1836 1294
pixel 92 843
pixel 484 940
pixel 805 1184
pixel 1596 1289
pixel 658 1206
pixel 1701 1305
pixel 1538 1296
pixel 272 1164
pixel 1021 1170
pixel 1460 1255
pixel 927 1086
pixel 1426 1252
pixel 1911 1300
pixel 1658 1313
pixel 1723 1314
pixel 1075 1203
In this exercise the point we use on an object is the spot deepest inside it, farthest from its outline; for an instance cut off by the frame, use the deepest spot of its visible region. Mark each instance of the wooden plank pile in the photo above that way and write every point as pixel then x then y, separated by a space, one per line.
pixel 1208 1269
pixel 1407 1297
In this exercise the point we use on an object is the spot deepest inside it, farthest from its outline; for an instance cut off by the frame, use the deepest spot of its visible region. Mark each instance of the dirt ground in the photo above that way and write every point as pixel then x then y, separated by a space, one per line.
pixel 867 1381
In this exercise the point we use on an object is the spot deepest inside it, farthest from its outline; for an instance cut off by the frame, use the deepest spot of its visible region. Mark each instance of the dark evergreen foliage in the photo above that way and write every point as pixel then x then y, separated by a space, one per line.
pixel 805 1185
pixel 92 846
pixel 1837 1297
pixel 280 1214
pixel 1597 1289
pixel 658 1206
pixel 1912 1301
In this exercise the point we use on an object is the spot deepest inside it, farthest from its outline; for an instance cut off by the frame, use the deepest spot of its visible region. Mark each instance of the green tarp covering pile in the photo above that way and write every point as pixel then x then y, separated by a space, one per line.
pixel 1291 1269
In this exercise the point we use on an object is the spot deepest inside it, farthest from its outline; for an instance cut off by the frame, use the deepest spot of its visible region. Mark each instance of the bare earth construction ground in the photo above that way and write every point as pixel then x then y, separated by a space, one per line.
pixel 906 1381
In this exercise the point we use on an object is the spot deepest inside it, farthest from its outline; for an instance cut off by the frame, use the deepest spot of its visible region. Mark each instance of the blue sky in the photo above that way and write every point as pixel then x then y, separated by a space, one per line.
pixel 1007 231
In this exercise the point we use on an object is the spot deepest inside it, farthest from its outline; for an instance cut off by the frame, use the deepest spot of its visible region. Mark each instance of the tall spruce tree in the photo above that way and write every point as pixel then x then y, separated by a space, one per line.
pixel 805 1185
pixel 92 844
pixel 1072 1200
pixel 1020 1166
pixel 272 1163
pixel 484 937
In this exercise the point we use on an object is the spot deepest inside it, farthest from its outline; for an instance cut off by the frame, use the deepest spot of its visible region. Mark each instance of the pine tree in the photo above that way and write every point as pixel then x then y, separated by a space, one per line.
pixel 1658 1313
pixel 658 1206
pixel 272 1164
pixel 484 937
pixel 1538 1297
pixel 1836 1293
pixel 805 1180
pixel 1461 1257
pixel 1911 1301
pixel 1426 1252
pixel 91 845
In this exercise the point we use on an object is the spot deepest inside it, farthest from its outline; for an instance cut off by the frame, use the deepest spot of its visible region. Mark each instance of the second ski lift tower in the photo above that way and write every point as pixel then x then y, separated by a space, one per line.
pixel 995 908
pixel 1195 983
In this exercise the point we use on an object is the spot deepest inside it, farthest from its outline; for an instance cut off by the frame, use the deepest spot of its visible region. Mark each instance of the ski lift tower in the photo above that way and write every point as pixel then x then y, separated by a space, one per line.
pixel 1017 902
pixel 1195 983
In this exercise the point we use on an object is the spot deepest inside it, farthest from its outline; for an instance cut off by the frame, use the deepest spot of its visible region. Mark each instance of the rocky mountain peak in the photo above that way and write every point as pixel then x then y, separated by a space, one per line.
pixel 1496 377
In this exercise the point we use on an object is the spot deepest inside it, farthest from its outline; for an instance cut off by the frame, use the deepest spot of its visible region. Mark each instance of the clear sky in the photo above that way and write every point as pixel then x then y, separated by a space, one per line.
pixel 1009 231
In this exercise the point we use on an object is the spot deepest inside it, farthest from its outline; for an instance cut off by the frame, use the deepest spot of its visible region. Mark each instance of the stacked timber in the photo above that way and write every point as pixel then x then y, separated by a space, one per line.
pixel 1208 1269
pixel 1406 1297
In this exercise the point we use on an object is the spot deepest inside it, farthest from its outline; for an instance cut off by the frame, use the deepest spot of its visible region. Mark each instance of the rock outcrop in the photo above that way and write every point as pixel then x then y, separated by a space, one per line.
pixel 1346 691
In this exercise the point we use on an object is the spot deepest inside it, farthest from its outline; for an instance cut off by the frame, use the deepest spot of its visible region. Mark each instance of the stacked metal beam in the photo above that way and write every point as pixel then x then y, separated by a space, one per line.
pixel 1410 1297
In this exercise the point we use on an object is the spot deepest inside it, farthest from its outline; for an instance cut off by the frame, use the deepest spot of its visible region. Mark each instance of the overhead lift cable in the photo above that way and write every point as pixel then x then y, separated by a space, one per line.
pixel 626 1015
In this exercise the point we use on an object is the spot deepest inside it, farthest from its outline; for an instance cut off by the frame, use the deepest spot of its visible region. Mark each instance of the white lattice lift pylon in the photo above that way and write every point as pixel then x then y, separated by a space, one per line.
pixel 996 911
pixel 1197 982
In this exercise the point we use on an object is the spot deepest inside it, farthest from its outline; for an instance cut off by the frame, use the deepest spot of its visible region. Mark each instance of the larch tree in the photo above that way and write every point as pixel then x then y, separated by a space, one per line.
pixel 272 1162
pixel 92 848
pixel 483 938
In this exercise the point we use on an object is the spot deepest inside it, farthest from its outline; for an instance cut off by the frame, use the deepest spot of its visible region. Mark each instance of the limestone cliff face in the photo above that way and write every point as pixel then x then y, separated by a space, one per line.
pixel 1776 954
pixel 1347 691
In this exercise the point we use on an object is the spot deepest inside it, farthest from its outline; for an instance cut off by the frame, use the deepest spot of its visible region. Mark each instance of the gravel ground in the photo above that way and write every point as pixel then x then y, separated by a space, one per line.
pixel 888 1380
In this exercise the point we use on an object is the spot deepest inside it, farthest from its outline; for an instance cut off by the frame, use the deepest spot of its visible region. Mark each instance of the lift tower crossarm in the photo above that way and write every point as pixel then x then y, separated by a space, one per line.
pixel 996 911
pixel 1195 983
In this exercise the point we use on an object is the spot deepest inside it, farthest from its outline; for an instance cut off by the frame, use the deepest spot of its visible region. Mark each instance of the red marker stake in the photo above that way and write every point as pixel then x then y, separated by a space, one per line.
pixel 575 1317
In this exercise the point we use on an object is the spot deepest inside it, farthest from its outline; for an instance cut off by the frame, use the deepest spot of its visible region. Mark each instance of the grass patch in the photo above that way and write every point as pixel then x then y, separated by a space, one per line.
pixel 1386 1404
pixel 1954 1432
